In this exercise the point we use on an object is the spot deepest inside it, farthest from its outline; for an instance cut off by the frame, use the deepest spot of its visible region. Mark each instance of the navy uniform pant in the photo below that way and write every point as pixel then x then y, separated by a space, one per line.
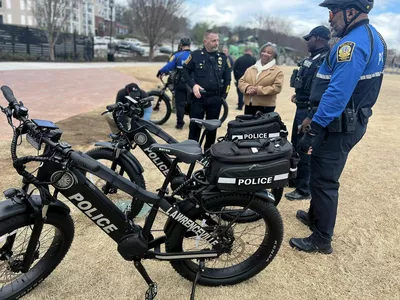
pixel 211 108
pixel 302 181
pixel 329 155
pixel 180 102
pixel 240 98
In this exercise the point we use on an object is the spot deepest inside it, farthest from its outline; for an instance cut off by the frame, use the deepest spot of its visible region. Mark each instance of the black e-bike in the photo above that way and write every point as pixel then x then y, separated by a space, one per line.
pixel 36 231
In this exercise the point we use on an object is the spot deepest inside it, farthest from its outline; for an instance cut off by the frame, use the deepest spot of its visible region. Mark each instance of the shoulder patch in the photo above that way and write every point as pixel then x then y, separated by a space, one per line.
pixel 172 58
pixel 188 59
pixel 345 51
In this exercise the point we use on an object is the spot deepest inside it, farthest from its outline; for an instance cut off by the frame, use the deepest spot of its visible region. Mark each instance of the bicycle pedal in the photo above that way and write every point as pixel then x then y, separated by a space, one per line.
pixel 151 293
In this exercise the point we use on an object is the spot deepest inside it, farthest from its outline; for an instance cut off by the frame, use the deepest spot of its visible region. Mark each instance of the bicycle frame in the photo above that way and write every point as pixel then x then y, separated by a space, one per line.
pixel 141 136
pixel 82 193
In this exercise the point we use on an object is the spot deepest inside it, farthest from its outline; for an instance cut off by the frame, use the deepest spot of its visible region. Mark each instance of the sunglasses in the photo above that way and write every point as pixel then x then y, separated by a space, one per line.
pixel 333 12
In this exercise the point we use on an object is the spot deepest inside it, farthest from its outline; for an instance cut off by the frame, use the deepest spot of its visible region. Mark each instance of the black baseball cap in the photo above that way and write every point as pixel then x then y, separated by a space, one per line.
pixel 321 31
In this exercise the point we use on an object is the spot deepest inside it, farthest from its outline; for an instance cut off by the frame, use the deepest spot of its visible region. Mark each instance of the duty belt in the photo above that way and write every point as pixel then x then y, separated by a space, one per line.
pixel 303 104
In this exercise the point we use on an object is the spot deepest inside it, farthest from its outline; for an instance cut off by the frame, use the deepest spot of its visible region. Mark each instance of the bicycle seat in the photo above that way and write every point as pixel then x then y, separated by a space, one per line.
pixel 187 151
pixel 207 124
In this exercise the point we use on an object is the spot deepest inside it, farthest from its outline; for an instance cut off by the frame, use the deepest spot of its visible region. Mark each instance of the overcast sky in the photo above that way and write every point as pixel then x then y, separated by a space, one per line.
pixel 304 14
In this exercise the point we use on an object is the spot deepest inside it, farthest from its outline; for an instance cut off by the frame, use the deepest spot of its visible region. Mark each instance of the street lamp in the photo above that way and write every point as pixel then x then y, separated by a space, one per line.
pixel 111 5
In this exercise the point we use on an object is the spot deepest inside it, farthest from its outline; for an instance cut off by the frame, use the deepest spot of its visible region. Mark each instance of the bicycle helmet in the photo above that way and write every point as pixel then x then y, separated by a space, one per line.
pixel 185 42
pixel 364 6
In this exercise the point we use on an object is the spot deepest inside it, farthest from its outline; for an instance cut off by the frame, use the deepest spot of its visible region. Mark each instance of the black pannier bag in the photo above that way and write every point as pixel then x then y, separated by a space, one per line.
pixel 259 126
pixel 250 166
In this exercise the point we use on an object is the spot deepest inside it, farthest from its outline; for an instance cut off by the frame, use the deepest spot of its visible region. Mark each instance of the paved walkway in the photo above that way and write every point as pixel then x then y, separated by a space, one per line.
pixel 8 66
pixel 56 94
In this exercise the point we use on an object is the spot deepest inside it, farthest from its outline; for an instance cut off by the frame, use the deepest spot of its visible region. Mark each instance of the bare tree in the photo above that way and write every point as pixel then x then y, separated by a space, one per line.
pixel 178 29
pixel 51 15
pixel 153 18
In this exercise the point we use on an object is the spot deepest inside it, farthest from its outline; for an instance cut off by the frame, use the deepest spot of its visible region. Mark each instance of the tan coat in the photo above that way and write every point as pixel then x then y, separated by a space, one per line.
pixel 269 84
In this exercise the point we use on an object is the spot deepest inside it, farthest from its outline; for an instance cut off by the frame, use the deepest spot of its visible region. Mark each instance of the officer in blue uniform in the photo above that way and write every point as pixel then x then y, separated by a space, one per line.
pixel 301 80
pixel 209 71
pixel 181 90
pixel 346 88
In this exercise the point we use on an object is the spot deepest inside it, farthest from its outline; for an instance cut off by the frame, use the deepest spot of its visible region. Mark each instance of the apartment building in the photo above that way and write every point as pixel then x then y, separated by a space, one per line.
pixel 18 12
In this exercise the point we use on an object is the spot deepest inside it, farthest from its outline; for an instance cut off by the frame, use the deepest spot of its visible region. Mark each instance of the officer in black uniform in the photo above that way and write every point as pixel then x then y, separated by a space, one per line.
pixel 343 93
pixel 317 44
pixel 207 70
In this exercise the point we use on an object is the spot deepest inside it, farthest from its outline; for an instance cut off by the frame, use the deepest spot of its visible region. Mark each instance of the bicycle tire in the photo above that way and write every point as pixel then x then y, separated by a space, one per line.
pixel 225 111
pixel 42 266
pixel 246 269
pixel 160 100
pixel 108 155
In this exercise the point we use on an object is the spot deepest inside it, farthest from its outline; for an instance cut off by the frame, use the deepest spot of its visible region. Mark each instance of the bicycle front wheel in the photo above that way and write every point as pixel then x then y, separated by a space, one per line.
pixel 53 244
pixel 161 107
pixel 106 157
pixel 248 247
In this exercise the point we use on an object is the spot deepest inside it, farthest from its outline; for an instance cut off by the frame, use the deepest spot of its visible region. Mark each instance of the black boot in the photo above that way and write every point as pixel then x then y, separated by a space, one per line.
pixel 311 245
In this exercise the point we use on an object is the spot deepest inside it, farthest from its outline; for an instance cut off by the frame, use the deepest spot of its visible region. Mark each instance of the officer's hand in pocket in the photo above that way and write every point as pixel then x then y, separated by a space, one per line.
pixel 196 91
pixel 305 144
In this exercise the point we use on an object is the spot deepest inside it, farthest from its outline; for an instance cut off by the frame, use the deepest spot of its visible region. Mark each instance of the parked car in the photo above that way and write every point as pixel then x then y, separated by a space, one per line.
pixel 133 41
pixel 165 49
pixel 128 47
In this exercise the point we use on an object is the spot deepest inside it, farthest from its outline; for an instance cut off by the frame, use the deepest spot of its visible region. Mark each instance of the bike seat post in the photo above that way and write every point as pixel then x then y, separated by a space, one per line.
pixel 162 191
pixel 203 135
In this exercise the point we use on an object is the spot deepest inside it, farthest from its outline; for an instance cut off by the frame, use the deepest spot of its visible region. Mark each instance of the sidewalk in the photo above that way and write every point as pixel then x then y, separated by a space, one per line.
pixel 62 90
pixel 8 66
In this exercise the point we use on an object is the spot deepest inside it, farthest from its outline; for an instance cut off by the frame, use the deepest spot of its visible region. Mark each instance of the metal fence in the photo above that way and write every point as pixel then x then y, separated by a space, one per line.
pixel 33 42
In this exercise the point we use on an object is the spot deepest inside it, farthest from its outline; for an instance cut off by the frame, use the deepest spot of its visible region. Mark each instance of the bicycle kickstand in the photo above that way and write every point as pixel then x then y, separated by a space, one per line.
pixel 151 292
pixel 202 266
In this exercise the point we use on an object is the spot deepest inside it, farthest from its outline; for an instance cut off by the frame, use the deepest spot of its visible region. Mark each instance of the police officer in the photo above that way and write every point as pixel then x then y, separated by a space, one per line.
pixel 346 87
pixel 181 91
pixel 317 44
pixel 207 70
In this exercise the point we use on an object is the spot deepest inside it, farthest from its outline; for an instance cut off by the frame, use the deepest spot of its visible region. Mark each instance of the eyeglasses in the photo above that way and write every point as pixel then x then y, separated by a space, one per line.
pixel 333 12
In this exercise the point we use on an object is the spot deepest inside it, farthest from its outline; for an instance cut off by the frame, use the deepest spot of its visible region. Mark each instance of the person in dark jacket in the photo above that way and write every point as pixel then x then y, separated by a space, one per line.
pixel 301 81
pixel 240 66
pixel 134 91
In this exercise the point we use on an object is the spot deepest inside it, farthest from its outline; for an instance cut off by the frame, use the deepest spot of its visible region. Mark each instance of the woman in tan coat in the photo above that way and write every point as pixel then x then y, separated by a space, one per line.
pixel 262 82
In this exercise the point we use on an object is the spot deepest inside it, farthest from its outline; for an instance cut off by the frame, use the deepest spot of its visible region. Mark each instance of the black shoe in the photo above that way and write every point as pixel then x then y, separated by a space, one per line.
pixel 239 108
pixel 303 217
pixel 309 245
pixel 295 195
pixel 179 127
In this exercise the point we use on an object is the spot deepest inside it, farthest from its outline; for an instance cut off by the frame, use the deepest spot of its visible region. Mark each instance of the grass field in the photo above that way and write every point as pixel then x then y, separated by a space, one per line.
pixel 365 263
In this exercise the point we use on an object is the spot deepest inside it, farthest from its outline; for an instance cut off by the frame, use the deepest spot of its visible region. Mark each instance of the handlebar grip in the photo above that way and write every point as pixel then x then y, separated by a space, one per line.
pixel 9 95
pixel 111 107
pixel 85 161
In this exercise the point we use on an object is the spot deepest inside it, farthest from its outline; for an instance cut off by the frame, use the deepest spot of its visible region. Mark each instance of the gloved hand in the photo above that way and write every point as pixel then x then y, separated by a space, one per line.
pixel 159 73
pixel 312 130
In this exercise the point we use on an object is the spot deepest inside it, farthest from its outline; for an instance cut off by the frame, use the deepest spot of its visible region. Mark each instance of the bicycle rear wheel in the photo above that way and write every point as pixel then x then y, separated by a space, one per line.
pixel 249 247
pixel 54 243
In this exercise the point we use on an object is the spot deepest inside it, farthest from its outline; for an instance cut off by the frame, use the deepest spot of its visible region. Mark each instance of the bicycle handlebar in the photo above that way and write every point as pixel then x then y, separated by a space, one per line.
pixel 9 95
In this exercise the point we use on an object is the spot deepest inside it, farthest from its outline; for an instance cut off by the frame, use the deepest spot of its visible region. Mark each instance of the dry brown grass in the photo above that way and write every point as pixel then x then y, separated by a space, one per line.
pixel 365 263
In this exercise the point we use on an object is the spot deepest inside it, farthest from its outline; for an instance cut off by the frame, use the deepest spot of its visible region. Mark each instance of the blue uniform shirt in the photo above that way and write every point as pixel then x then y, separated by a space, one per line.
pixel 176 61
pixel 354 70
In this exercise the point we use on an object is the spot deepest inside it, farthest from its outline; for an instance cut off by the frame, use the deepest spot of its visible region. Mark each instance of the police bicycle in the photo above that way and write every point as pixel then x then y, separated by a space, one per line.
pixel 162 108
pixel 118 156
pixel 36 231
